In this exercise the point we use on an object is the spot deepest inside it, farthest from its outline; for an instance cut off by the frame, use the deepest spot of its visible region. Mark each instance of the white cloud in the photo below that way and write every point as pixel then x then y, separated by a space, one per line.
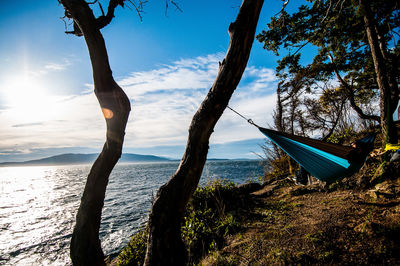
pixel 36 71
pixel 164 101
pixel 232 127
pixel 57 66
pixel 184 74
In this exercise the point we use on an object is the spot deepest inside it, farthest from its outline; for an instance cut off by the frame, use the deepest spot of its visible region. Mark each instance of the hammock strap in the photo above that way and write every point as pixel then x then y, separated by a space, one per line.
pixel 242 116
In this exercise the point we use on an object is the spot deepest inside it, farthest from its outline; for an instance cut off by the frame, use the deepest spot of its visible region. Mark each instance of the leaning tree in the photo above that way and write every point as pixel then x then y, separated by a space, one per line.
pixel 85 244
pixel 165 246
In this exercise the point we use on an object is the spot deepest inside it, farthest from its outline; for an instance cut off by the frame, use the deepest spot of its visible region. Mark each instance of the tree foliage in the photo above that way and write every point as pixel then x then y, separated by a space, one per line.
pixel 338 33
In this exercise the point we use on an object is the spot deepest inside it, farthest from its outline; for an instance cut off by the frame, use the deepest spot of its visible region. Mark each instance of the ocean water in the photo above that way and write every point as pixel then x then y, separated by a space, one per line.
pixel 38 205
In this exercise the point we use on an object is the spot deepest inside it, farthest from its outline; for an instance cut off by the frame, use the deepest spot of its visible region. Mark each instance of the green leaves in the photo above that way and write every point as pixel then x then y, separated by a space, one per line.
pixel 207 219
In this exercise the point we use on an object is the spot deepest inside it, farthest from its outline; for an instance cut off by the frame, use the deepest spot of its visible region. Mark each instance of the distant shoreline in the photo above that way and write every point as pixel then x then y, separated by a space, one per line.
pixel 88 159
pixel 81 159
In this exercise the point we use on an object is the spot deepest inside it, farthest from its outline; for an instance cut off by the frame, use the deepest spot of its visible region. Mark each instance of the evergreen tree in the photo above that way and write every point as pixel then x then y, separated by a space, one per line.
pixel 357 43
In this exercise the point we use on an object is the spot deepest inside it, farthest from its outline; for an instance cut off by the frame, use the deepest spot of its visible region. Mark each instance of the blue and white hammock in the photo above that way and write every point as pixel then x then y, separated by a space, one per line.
pixel 326 161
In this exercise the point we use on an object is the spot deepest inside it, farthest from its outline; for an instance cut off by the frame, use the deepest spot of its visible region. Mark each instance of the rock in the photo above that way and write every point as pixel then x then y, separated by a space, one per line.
pixel 395 157
pixel 388 189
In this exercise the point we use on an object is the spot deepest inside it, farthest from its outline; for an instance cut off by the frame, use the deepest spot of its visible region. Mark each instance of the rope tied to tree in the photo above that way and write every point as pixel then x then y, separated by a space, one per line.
pixel 249 120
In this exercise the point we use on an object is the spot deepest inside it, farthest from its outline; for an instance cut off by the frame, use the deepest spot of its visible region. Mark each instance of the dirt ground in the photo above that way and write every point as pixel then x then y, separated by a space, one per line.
pixel 289 224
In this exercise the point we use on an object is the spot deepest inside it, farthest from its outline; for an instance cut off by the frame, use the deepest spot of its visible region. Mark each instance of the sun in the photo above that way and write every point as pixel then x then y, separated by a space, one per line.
pixel 28 99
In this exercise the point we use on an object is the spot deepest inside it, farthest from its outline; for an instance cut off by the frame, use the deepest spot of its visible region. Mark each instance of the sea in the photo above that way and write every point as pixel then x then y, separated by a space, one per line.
pixel 38 205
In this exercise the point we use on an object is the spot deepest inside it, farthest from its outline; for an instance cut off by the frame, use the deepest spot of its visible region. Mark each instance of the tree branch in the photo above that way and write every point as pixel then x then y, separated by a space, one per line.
pixel 350 94
pixel 301 47
pixel 104 20
pixel 335 123
pixel 138 8
pixel 283 8
pixel 174 4
pixel 327 11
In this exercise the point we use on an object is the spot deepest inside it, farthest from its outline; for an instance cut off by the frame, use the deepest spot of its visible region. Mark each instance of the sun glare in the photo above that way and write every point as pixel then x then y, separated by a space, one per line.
pixel 27 99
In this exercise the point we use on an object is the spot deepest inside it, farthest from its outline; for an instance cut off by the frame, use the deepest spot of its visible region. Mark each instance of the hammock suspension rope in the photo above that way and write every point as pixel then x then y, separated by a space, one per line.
pixel 242 116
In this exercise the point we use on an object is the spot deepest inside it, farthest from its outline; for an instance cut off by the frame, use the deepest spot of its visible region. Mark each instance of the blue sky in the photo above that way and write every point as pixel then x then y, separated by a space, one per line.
pixel 165 63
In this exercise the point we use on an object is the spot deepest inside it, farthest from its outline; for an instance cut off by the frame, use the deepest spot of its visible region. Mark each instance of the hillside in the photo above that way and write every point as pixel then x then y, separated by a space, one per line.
pixel 344 223
pixel 308 225
pixel 76 158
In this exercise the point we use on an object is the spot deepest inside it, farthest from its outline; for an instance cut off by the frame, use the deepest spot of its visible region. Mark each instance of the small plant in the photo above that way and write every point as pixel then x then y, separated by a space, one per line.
pixel 135 251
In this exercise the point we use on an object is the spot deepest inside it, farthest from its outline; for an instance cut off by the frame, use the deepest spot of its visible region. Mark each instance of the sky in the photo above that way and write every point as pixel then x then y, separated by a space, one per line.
pixel 165 63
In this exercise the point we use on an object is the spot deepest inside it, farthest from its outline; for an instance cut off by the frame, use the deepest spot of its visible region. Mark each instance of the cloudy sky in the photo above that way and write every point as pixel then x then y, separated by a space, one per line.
pixel 166 63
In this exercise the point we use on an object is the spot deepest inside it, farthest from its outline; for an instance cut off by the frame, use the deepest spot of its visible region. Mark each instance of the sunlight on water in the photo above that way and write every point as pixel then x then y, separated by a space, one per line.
pixel 38 206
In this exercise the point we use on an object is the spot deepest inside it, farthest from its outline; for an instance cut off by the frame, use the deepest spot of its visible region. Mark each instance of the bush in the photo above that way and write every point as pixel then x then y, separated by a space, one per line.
pixel 135 251
pixel 207 219
pixel 206 222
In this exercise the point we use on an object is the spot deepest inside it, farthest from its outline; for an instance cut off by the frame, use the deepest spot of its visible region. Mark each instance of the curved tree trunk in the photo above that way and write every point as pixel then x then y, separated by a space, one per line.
pixel 165 246
pixel 387 104
pixel 85 245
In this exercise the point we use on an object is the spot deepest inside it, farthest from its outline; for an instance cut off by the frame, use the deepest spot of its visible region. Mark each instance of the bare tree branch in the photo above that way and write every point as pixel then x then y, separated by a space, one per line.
pixel 283 8
pixel 327 11
pixel 138 8
pixel 335 123
pixel 301 47
pixel 164 245
pixel 350 93
pixel 104 20
pixel 101 8
pixel 174 4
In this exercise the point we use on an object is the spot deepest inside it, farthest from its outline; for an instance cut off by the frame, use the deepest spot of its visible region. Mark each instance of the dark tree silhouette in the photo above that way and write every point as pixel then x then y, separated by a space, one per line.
pixel 85 243
pixel 165 246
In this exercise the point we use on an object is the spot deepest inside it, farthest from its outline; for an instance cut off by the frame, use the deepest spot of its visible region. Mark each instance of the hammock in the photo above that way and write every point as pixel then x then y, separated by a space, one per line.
pixel 326 161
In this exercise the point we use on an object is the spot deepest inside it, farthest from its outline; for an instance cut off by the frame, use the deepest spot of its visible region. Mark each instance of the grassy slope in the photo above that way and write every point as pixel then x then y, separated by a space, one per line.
pixel 310 224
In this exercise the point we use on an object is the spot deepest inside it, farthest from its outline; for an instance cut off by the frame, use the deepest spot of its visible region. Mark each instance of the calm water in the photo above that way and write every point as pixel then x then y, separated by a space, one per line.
pixel 38 205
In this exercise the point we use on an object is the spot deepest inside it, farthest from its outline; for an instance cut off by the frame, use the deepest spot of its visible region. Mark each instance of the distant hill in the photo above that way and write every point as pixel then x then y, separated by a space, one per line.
pixel 77 158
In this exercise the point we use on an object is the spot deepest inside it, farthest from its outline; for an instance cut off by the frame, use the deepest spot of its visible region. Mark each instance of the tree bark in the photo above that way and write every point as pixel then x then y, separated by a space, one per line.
pixel 382 76
pixel 85 246
pixel 165 246
pixel 278 117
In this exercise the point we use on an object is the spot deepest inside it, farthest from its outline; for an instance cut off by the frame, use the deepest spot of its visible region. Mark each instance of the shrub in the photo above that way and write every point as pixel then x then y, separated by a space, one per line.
pixel 207 220
pixel 135 251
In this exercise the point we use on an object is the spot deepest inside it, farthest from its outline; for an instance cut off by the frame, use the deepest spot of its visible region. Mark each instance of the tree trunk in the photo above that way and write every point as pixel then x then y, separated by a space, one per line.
pixel 165 246
pixel 85 244
pixel 278 117
pixel 382 76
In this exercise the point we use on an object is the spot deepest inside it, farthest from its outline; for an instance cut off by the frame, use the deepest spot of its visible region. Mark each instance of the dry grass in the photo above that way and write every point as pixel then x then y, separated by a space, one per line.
pixel 310 225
